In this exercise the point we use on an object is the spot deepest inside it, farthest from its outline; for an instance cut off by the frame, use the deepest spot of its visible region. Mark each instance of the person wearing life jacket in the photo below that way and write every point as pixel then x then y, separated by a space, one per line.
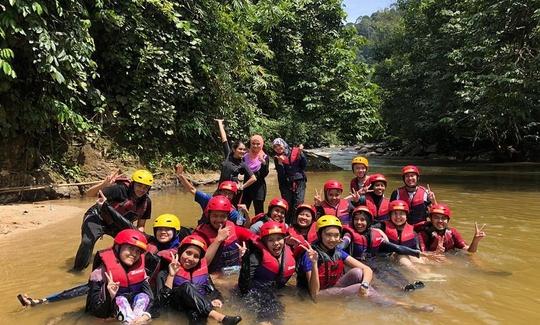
pixel 167 234
pixel 129 198
pixel 374 197
pixel 399 232
pixel 333 204
pixel 359 166
pixel 187 286
pixel 221 235
pixel 277 210
pixel 436 235
pixel 417 197
pixel 229 189
pixel 290 166
pixel 369 245
pixel 321 269
pixel 303 229
pixel 267 266
pixel 118 283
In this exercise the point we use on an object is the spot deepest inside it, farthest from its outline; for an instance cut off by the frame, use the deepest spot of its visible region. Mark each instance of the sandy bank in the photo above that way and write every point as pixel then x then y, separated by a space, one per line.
pixel 16 218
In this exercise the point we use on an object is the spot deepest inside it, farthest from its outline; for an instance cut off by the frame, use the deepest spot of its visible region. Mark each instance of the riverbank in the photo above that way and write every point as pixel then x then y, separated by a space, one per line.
pixel 19 218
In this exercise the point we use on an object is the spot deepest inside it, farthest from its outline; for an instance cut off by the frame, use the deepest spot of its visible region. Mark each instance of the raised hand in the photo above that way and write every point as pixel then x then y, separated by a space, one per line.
pixel 479 232
pixel 112 286
pixel 292 241
pixel 243 208
pixel 223 233
pixel 312 254
pixel 111 178
pixel 242 249
pixel 174 265
pixel 101 198
pixel 317 198
pixel 179 169
pixel 431 195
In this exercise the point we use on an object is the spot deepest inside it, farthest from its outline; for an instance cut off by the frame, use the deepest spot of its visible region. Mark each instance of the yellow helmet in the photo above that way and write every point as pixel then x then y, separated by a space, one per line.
pixel 360 160
pixel 143 176
pixel 327 221
pixel 167 220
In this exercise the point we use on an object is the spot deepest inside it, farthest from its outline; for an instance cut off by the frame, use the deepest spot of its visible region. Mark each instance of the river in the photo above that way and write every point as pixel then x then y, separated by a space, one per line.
pixel 499 286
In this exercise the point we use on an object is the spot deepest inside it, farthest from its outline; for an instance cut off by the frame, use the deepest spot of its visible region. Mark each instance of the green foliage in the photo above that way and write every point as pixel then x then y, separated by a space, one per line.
pixel 464 75
pixel 152 75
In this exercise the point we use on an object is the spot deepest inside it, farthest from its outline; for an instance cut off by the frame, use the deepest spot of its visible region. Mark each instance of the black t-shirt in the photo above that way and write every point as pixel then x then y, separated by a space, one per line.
pixel 120 192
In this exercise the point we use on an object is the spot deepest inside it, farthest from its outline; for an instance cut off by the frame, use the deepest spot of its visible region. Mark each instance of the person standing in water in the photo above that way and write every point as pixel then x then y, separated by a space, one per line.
pixel 359 167
pixel 234 165
pixel 290 167
pixel 257 161
pixel 127 197
pixel 418 198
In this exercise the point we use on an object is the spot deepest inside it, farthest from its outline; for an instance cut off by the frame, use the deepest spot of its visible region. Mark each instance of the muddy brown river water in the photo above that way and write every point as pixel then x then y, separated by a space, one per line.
pixel 499 286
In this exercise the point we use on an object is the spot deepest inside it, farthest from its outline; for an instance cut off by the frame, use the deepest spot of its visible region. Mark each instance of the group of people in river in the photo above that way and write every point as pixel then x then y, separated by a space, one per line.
pixel 335 246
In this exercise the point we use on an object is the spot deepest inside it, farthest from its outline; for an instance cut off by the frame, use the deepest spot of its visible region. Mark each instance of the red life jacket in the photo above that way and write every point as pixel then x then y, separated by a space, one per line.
pixel 198 276
pixel 417 205
pixel 259 217
pixel 330 267
pixel 130 281
pixel 407 237
pixel 432 240
pixel 311 235
pixel 271 269
pixel 311 238
pixel 382 213
pixel 355 183
pixel 131 205
pixel 228 253
pixel 292 158
pixel 341 211
pixel 360 248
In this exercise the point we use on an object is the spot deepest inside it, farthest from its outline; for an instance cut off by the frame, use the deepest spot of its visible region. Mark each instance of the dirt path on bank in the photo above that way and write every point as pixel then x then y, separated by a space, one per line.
pixel 17 218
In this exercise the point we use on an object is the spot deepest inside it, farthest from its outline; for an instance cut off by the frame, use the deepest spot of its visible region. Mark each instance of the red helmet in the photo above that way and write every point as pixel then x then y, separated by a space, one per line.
pixel 195 240
pixel 376 178
pixel 410 169
pixel 228 185
pixel 278 202
pixel 441 209
pixel 304 206
pixel 131 237
pixel 364 208
pixel 332 185
pixel 399 205
pixel 272 227
pixel 218 203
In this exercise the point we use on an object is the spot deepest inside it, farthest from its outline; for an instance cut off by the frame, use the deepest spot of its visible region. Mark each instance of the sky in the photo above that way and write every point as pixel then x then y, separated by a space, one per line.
pixel 357 8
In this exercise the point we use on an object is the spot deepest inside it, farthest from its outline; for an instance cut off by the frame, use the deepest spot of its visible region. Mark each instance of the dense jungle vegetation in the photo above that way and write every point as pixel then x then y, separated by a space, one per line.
pixel 150 76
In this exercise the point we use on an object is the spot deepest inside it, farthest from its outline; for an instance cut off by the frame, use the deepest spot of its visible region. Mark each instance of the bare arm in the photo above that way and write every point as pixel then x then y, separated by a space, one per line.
pixel 222 133
pixel 108 181
pixel 140 224
pixel 182 178
pixel 478 235
pixel 250 181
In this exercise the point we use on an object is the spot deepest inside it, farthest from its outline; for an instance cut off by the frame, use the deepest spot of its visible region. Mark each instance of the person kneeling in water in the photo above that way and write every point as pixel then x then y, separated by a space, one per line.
pixel 436 235
pixel 266 267
pixel 188 286
pixel 321 269
pixel 118 284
